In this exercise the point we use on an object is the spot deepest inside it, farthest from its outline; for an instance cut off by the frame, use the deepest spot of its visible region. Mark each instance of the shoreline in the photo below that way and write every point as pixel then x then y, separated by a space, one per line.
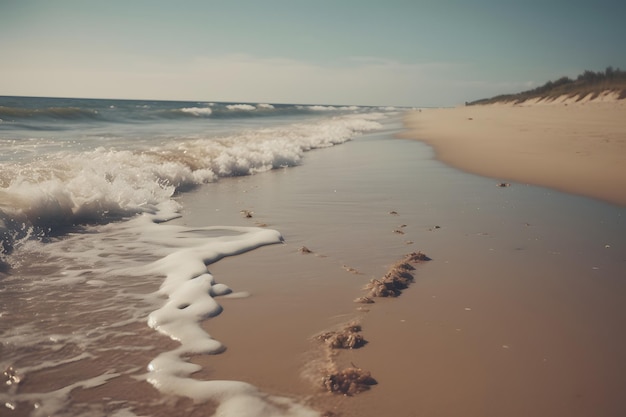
pixel 578 148
pixel 507 310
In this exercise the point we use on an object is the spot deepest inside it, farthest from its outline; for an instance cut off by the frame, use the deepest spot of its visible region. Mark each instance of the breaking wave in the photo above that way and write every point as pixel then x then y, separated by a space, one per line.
pixel 55 194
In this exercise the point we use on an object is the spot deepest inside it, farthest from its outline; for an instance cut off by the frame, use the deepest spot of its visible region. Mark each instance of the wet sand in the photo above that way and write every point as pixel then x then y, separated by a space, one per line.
pixel 518 313
pixel 578 148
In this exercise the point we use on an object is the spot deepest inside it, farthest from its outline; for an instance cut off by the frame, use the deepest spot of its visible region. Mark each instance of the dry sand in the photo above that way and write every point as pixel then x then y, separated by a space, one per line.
pixel 576 147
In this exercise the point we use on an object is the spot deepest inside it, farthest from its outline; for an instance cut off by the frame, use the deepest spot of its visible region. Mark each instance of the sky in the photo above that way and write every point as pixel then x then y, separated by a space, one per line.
pixel 362 52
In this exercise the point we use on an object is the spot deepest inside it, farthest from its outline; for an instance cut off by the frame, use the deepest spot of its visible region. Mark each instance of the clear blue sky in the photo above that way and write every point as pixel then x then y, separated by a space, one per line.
pixel 387 52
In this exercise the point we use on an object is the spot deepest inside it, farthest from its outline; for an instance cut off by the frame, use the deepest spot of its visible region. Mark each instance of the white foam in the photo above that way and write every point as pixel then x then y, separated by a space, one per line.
pixel 191 292
pixel 265 106
pixel 197 111
pixel 47 364
pixel 330 108
pixel 53 402
pixel 245 107
pixel 321 108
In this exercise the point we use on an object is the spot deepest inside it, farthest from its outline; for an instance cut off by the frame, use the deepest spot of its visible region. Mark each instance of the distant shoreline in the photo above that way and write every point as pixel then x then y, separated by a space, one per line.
pixel 566 144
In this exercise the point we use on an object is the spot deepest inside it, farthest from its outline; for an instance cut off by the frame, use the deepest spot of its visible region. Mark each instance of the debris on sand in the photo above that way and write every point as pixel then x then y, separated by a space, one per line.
pixel 364 300
pixel 353 380
pixel 347 338
pixel 246 213
pixel 382 288
pixel 398 232
pixel 392 284
pixel 504 184
pixel 416 257
pixel 397 278
pixel 351 270
pixel 403 266
pixel 11 376
pixel 349 381
pixel 304 249
pixel 394 213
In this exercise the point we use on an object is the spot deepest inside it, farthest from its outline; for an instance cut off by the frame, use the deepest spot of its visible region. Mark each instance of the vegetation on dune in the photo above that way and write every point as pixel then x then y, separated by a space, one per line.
pixel 589 82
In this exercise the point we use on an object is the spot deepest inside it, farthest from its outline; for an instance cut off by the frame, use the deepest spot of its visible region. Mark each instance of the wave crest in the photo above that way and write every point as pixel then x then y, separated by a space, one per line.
pixel 197 111
pixel 244 107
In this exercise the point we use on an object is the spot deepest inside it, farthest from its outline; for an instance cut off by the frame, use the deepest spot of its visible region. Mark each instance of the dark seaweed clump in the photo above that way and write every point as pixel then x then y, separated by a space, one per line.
pixel 346 338
pixel 349 381
pixel 397 278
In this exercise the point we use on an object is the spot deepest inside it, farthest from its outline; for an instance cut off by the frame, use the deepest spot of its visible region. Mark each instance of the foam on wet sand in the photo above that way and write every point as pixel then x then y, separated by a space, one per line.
pixel 190 292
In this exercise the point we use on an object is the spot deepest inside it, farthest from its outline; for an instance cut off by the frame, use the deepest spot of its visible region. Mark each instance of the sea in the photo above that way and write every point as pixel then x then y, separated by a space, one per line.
pixel 98 288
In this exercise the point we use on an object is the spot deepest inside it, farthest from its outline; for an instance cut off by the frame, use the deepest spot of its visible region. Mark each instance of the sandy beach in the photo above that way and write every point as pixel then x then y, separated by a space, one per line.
pixel 576 147
pixel 517 314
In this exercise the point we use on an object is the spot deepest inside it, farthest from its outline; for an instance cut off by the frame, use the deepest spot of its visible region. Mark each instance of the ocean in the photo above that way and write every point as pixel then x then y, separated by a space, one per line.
pixel 91 268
